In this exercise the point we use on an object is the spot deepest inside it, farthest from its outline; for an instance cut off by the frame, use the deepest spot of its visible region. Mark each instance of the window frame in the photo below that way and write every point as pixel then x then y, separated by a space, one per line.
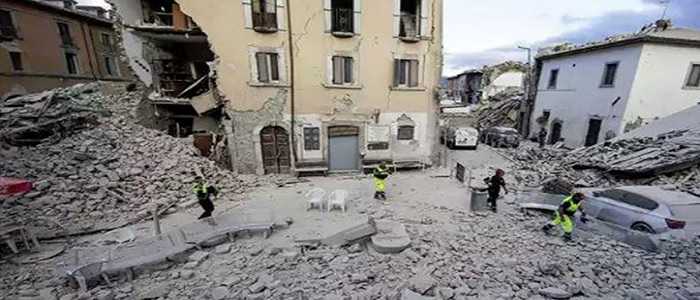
pixel 403 68
pixel 114 69
pixel 399 135
pixel 268 67
pixel 418 22
pixel 107 43
pixel 606 69
pixel 76 63
pixel 553 79
pixel 13 63
pixel 315 134
pixel 13 23
pixel 693 66
pixel 341 61
pixel 67 39
pixel 334 17
pixel 255 16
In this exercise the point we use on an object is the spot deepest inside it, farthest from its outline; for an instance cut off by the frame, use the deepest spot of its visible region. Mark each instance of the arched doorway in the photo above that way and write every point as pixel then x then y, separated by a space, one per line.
pixel 555 133
pixel 274 141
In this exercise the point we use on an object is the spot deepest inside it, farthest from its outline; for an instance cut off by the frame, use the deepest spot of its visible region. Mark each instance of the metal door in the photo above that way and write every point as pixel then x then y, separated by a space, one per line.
pixel 343 148
pixel 593 131
pixel 275 150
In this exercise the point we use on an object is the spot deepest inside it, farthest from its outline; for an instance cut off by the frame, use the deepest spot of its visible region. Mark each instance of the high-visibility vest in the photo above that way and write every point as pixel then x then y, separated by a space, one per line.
pixel 200 188
pixel 380 173
pixel 573 206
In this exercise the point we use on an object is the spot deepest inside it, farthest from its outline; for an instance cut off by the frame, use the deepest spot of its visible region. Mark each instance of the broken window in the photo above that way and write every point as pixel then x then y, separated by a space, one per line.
pixel 264 15
pixel 268 68
pixel 342 70
pixel 106 41
pixel 16 59
pixel 64 31
pixel 342 15
pixel 694 76
pixel 71 62
pixel 406 72
pixel 609 74
pixel 409 21
pixel 7 27
pixel 160 12
pixel 405 132
pixel 312 138
pixel 553 76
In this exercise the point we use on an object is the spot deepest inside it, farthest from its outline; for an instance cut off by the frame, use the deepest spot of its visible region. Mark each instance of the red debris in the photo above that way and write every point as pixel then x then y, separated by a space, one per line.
pixel 13 186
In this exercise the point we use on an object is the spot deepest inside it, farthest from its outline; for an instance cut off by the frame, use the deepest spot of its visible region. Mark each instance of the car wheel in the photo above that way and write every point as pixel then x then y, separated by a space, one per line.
pixel 642 227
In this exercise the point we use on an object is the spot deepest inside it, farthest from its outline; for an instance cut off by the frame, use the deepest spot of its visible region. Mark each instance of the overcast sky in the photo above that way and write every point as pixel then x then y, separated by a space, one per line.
pixel 479 32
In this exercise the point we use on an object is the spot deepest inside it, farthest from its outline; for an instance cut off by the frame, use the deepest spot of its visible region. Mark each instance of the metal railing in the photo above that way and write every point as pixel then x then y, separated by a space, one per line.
pixel 265 20
pixel 342 20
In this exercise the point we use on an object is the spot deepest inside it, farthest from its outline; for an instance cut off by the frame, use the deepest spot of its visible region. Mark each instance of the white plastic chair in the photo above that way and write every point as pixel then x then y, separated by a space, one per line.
pixel 337 199
pixel 315 198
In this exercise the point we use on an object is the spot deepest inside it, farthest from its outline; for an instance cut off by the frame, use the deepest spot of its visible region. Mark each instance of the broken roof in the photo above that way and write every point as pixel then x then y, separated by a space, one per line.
pixel 671 36
pixel 69 12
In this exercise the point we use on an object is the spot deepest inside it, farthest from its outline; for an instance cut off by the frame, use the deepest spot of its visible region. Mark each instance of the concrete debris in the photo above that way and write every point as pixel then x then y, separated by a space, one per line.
pixel 555 293
pixel 391 237
pixel 106 176
pixel 500 110
pixel 347 236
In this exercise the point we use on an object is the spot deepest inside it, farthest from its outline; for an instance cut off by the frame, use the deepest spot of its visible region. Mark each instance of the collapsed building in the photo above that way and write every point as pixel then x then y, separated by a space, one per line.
pixel 473 86
pixel 325 86
pixel 169 53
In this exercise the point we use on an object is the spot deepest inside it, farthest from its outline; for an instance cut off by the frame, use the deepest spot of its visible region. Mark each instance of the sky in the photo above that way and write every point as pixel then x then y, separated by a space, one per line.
pixel 478 33
pixel 482 32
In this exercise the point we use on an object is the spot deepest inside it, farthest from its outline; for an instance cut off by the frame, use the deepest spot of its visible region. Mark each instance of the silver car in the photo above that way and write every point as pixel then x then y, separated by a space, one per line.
pixel 645 208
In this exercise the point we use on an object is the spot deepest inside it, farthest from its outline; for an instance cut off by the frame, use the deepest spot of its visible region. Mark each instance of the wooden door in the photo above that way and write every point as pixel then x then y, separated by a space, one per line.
pixel 274 141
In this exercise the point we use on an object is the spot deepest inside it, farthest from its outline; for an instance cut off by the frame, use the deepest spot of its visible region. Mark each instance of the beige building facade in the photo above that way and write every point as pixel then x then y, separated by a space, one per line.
pixel 325 85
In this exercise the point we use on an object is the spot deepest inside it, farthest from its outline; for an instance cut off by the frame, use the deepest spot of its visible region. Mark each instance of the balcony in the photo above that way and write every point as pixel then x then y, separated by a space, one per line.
pixel 342 22
pixel 408 28
pixel 265 22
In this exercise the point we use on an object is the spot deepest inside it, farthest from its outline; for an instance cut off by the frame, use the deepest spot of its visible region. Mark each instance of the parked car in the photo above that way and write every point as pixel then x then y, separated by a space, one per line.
pixel 500 137
pixel 645 208
pixel 462 137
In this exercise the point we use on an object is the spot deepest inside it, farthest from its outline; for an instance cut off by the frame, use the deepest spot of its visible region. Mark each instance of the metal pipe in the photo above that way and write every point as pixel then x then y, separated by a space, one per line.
pixel 291 81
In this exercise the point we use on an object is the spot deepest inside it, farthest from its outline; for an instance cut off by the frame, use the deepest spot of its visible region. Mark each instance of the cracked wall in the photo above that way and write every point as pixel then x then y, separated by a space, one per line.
pixel 318 102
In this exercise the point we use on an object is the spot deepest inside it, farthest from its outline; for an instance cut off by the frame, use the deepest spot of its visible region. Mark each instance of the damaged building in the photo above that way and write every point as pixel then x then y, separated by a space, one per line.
pixel 48 44
pixel 594 92
pixel 333 85
pixel 472 86
pixel 169 53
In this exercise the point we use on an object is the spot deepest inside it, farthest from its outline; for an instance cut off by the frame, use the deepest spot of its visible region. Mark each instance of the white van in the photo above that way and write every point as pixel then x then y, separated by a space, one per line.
pixel 467 137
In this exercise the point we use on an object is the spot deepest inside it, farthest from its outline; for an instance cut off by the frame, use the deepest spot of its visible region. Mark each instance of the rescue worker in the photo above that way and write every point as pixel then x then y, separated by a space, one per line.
pixel 380 174
pixel 542 137
pixel 563 216
pixel 494 184
pixel 203 191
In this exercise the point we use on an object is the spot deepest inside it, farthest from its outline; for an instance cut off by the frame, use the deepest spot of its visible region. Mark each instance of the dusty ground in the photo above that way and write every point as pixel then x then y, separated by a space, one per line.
pixel 455 254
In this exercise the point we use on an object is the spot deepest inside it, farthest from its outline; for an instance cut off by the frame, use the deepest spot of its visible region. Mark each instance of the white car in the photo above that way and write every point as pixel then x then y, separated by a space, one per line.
pixel 458 137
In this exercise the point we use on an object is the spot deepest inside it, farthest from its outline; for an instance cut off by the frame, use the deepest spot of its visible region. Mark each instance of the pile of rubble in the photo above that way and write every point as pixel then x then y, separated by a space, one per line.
pixel 50 115
pixel 109 175
pixel 500 110
pixel 672 158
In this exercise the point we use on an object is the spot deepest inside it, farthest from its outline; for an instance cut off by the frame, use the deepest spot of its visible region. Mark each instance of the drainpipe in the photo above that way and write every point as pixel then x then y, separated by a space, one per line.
pixel 291 80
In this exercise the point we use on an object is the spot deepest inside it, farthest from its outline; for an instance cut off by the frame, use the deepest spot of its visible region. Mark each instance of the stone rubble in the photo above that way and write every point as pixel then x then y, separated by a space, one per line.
pixel 106 176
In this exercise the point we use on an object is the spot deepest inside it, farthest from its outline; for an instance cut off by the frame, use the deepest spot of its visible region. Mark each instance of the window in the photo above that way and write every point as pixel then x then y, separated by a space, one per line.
pixel 406 72
pixel 342 16
pixel 16 59
pixel 609 75
pixel 7 27
pixel 64 31
pixel 106 41
pixel 342 70
pixel 693 76
pixel 553 76
pixel 268 68
pixel 410 19
pixel 72 63
pixel 631 199
pixel 110 66
pixel 312 138
pixel 405 133
pixel 264 15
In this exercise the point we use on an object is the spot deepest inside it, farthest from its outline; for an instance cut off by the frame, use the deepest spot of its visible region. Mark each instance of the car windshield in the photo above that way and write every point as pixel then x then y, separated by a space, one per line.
pixel 686 211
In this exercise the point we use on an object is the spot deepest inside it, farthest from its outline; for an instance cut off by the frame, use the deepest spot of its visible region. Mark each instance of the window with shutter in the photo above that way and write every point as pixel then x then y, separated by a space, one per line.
pixel 267 64
pixel 342 70
pixel 410 19
pixel 264 15
pixel 406 73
